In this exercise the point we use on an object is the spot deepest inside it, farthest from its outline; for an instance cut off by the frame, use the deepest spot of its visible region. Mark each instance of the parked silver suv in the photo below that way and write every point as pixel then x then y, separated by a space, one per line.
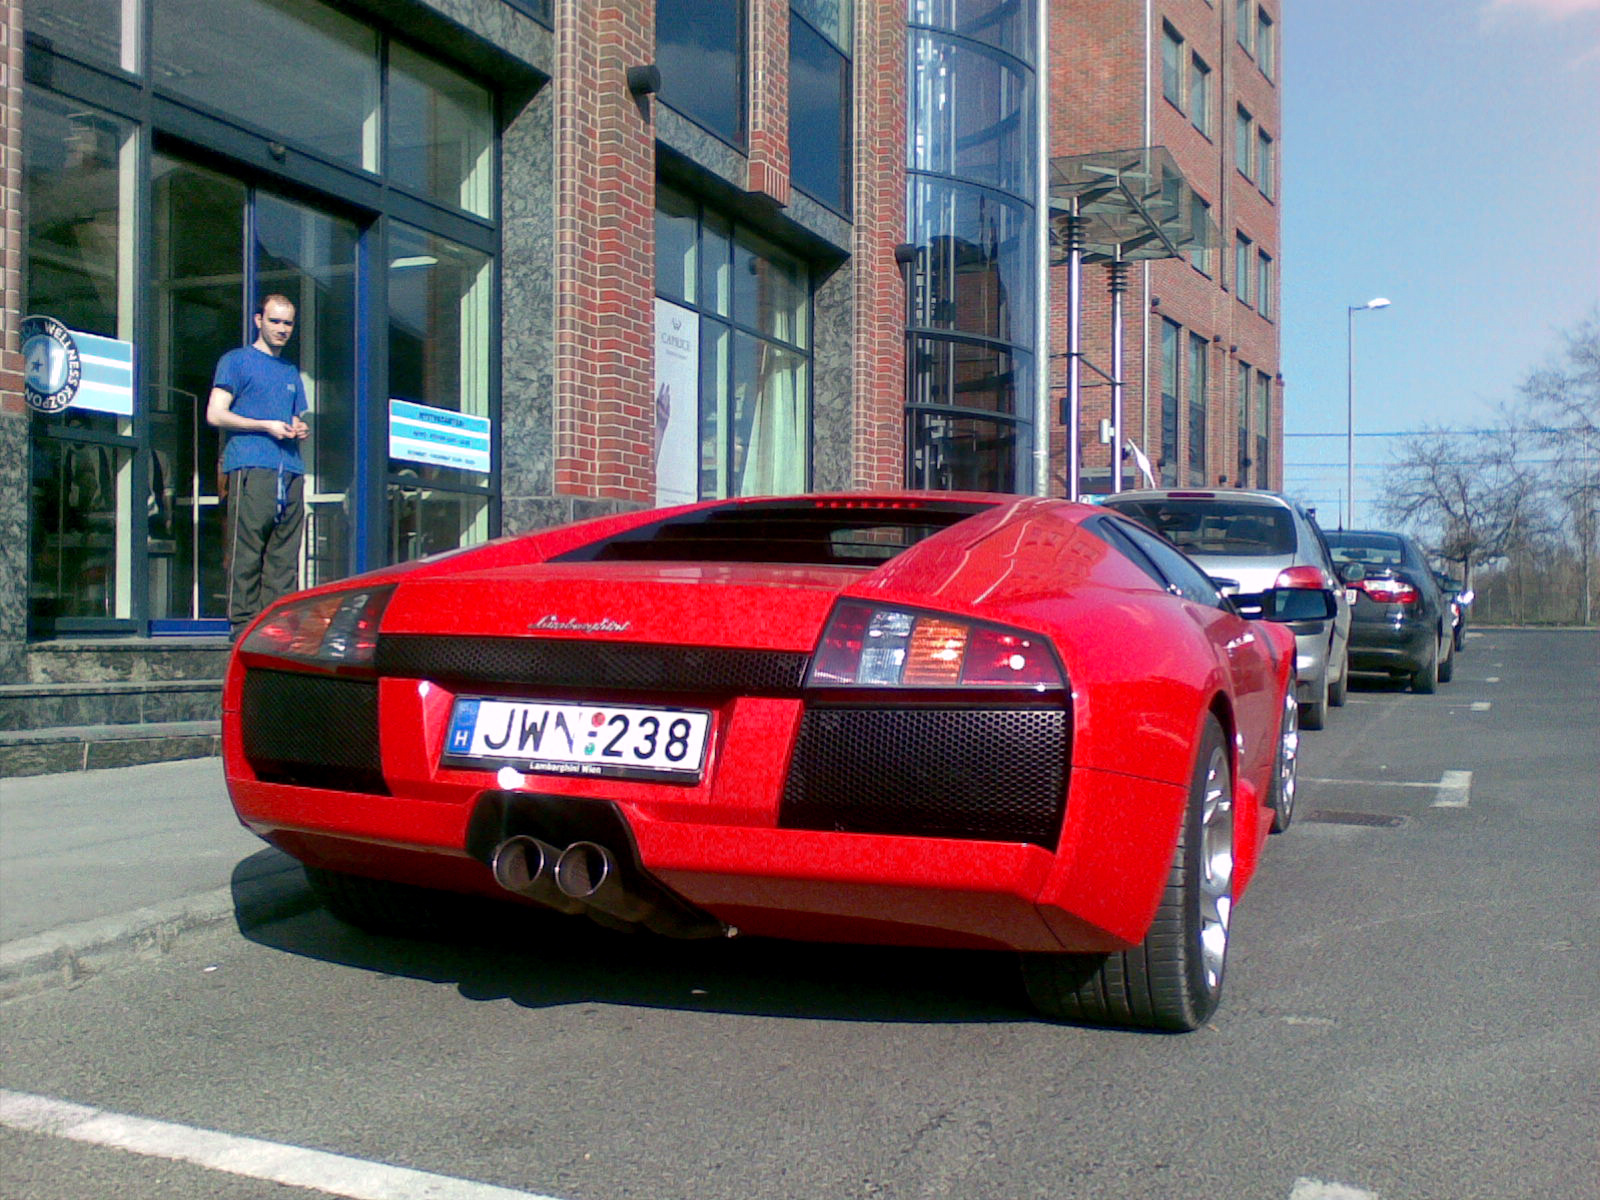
pixel 1259 540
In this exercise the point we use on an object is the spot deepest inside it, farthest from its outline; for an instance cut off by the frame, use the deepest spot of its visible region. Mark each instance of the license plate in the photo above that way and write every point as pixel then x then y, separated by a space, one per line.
pixel 578 739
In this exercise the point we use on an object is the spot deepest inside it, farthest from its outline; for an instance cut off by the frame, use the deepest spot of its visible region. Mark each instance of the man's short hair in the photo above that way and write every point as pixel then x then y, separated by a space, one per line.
pixel 274 298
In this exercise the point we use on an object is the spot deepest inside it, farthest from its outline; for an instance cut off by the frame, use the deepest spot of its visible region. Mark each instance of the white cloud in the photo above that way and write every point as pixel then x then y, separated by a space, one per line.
pixel 1549 8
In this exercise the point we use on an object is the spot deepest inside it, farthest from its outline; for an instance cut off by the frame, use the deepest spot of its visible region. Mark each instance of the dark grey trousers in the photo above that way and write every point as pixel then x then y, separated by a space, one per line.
pixel 263 550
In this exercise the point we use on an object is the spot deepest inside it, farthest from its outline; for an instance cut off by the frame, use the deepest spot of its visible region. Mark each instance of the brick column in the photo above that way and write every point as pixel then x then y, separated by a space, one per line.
pixel 880 222
pixel 769 99
pixel 605 239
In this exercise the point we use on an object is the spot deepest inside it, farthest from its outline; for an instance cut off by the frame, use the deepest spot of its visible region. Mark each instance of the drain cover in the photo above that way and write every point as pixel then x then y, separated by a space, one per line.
pixel 1327 816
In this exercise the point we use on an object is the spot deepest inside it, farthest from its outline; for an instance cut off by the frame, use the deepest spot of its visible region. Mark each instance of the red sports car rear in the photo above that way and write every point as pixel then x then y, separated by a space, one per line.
pixel 923 719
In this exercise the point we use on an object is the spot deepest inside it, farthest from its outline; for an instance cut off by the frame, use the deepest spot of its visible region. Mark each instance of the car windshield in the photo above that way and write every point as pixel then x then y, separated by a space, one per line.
pixel 1370 549
pixel 799 532
pixel 1216 528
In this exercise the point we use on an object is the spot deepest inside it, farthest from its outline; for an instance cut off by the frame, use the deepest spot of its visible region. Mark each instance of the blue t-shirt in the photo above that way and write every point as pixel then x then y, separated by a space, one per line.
pixel 266 389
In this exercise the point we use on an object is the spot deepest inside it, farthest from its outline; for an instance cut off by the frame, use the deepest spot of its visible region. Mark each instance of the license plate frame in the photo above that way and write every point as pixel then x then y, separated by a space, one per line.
pixel 577 738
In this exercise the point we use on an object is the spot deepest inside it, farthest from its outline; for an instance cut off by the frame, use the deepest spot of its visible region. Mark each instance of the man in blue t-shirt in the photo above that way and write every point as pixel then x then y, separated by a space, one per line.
pixel 257 400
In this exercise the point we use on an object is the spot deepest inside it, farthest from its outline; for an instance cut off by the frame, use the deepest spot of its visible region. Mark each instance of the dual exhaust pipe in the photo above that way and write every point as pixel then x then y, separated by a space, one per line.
pixel 587 878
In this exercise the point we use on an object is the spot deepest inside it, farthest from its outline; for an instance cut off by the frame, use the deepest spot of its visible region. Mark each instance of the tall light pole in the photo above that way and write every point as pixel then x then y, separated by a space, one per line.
pixel 1350 406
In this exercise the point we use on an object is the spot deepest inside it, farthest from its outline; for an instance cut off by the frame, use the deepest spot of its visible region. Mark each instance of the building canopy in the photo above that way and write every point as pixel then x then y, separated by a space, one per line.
pixel 1134 204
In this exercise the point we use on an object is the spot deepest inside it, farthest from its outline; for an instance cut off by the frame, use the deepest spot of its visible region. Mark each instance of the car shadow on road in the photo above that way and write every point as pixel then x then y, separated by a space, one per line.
pixel 505 952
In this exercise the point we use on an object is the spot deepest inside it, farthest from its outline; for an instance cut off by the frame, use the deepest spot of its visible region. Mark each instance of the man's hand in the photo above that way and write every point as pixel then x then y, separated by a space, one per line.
pixel 299 429
pixel 281 430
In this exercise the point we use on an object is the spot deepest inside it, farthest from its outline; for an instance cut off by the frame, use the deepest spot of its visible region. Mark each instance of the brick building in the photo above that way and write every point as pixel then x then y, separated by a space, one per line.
pixel 556 257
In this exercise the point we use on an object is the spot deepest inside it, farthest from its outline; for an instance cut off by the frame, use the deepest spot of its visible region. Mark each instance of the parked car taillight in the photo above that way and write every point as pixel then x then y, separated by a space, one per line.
pixel 1389 590
pixel 332 630
pixel 1305 577
pixel 866 645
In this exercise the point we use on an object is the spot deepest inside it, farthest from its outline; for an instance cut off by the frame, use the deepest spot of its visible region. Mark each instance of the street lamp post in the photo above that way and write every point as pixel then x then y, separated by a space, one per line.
pixel 1350 406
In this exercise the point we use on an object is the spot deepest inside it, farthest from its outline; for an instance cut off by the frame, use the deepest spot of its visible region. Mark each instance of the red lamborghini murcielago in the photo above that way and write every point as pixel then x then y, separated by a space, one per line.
pixel 933 719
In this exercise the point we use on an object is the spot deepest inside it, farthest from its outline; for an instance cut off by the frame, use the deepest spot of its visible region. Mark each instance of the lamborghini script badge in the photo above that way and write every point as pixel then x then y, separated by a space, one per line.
pixel 566 625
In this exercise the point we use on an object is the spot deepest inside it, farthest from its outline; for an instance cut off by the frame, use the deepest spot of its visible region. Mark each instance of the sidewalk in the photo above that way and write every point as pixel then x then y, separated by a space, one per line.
pixel 100 864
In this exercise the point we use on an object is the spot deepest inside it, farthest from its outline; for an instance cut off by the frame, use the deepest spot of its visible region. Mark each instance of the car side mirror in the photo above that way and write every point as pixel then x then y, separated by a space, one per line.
pixel 1228 587
pixel 1298 604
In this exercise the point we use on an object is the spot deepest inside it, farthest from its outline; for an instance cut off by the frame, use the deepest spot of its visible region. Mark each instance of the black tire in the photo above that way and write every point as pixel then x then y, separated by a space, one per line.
pixel 1173 979
pixel 1447 668
pixel 1314 713
pixel 1338 691
pixel 380 906
pixel 1285 768
pixel 1425 679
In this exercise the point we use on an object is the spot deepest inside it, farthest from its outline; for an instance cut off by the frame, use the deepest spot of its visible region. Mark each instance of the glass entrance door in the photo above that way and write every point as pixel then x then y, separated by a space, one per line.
pixel 219 248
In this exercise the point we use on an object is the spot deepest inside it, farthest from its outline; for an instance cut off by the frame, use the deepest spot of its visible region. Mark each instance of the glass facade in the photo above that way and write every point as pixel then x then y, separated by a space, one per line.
pixel 165 247
pixel 1171 359
pixel 1198 381
pixel 819 100
pixel 743 313
pixel 700 48
pixel 972 161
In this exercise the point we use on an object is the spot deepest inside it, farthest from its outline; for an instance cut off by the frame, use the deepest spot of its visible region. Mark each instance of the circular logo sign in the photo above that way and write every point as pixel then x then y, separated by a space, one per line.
pixel 52 369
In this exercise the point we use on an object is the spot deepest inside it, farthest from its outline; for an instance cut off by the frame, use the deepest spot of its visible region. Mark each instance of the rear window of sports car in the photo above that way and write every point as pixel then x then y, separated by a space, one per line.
pixel 809 533
pixel 1216 527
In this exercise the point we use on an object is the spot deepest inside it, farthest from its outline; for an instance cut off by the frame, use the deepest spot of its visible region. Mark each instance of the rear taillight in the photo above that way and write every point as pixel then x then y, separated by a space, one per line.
pixel 869 646
pixel 1305 577
pixel 333 630
pixel 1388 590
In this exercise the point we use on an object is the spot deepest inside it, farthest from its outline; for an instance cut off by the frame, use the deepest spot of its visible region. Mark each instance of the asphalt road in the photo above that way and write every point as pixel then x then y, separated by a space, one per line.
pixel 1412 1013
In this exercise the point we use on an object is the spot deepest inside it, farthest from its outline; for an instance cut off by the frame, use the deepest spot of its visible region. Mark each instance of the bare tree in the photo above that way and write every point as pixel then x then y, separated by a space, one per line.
pixel 1467 495
pixel 1564 401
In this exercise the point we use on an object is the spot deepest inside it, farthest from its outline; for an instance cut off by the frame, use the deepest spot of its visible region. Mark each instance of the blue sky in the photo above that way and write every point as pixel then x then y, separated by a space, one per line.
pixel 1444 154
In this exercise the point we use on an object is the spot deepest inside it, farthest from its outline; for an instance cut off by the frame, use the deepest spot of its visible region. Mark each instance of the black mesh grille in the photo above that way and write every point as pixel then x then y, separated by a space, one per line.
pixel 312 730
pixel 545 662
pixel 985 774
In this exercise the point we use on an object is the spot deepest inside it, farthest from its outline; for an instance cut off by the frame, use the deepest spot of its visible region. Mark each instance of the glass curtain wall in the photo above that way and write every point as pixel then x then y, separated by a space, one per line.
pixel 971 161
pixel 161 248
pixel 80 176
pixel 742 312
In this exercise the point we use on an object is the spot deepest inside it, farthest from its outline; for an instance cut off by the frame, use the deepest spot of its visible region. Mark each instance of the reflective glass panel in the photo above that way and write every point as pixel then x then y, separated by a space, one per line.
pixel 425 521
pixel 675 246
pixel 1198 347
pixel 79 175
pixel 252 59
pixel 438 338
pixel 100 31
pixel 700 50
pixel 954 374
pixel 769 290
pixel 769 418
pixel 974 264
pixel 831 18
pixel 819 116
pixel 441 132
pixel 1005 24
pixel 950 452
pixel 970 115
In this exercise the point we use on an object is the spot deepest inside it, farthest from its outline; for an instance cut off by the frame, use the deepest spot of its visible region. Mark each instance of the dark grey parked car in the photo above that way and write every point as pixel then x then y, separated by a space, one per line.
pixel 1400 620
pixel 1259 541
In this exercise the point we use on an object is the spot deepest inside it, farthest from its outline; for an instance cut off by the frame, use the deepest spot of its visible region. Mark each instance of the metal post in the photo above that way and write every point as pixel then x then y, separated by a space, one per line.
pixel 1041 248
pixel 1073 228
pixel 1118 285
pixel 1350 419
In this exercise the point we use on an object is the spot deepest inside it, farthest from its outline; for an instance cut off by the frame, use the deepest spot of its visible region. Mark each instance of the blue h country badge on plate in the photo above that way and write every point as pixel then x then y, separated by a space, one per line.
pixel 462 724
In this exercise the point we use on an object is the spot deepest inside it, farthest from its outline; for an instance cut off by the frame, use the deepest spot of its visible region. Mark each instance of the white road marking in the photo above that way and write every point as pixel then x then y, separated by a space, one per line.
pixel 1455 788
pixel 1481 705
pixel 1369 782
pixel 1492 679
pixel 1315 1189
pixel 314 1170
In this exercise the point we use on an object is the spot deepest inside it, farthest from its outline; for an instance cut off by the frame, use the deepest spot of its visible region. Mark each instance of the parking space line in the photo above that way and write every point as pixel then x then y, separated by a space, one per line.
pixel 1315 1189
pixel 314 1170
pixel 1455 789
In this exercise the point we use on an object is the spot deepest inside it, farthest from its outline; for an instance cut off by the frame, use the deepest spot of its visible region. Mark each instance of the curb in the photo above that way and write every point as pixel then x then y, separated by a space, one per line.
pixel 69 955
